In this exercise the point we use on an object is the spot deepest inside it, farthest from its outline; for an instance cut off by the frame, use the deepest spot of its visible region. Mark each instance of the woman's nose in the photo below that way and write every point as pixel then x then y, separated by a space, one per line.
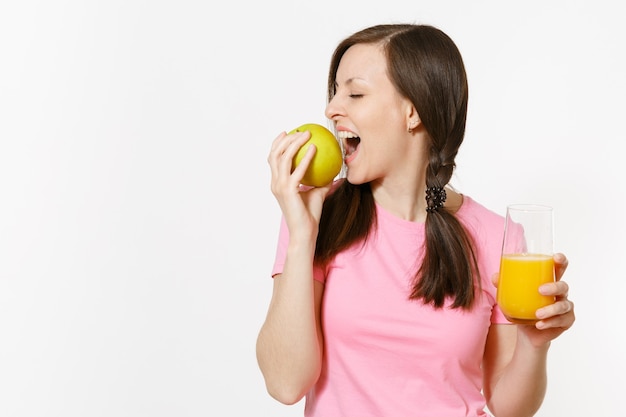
pixel 333 110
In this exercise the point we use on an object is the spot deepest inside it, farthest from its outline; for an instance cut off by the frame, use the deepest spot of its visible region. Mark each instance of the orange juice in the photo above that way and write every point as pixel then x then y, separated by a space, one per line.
pixel 521 275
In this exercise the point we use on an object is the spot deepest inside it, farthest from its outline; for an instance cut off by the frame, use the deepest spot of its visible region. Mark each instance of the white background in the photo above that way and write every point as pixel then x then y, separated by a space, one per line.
pixel 137 228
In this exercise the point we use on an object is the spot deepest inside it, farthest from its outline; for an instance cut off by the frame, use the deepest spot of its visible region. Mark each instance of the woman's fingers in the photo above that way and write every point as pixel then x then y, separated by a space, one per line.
pixel 561 313
pixel 560 265
pixel 556 289
pixel 283 150
pixel 560 307
pixel 304 162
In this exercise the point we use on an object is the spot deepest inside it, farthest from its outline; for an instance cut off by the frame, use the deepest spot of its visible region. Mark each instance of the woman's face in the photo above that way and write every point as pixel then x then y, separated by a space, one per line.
pixel 370 115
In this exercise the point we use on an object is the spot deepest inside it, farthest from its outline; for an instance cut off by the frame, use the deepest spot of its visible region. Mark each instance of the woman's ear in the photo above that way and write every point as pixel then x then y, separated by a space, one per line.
pixel 413 119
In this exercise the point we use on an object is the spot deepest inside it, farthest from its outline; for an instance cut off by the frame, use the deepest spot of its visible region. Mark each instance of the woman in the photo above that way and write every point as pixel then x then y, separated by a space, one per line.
pixel 383 303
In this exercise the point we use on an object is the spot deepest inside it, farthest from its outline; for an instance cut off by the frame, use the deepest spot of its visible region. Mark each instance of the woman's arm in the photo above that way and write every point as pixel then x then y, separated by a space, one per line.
pixel 515 373
pixel 514 365
pixel 289 344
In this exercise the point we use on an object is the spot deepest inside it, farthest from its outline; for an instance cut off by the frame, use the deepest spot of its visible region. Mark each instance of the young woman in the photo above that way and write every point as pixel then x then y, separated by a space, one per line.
pixel 383 301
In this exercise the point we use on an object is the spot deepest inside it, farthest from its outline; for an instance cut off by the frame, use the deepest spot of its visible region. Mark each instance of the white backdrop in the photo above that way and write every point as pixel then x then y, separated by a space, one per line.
pixel 137 228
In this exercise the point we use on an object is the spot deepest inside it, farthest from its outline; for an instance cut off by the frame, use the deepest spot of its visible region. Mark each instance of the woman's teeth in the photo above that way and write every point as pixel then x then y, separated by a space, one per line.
pixel 344 134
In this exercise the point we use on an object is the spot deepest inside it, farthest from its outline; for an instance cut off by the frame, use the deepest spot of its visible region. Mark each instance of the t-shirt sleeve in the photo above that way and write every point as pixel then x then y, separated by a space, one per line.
pixel 487 228
pixel 497 316
pixel 281 248
pixel 281 254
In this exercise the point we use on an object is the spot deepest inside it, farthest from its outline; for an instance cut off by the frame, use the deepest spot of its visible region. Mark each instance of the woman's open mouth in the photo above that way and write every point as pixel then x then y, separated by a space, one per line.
pixel 350 143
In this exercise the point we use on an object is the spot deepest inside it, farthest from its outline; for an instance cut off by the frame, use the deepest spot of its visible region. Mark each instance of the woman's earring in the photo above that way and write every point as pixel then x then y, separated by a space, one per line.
pixel 412 126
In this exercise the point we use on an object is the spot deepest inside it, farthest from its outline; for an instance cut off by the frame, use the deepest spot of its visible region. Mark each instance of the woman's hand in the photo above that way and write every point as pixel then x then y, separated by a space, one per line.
pixel 301 205
pixel 555 318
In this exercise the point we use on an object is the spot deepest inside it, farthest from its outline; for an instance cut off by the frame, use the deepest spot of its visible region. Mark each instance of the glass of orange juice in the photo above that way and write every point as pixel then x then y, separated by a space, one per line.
pixel 526 261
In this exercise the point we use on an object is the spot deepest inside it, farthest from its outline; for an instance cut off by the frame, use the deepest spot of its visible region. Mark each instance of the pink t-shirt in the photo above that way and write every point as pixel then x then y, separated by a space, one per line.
pixel 386 355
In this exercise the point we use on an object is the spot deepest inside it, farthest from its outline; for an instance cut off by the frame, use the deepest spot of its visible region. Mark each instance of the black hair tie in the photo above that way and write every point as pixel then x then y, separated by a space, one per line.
pixel 435 197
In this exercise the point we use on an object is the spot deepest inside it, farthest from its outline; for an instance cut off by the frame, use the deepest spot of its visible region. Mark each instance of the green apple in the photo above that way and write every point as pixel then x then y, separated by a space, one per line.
pixel 328 157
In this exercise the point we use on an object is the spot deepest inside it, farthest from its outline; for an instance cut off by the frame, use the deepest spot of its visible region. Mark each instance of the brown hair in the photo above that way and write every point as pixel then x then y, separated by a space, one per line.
pixel 425 66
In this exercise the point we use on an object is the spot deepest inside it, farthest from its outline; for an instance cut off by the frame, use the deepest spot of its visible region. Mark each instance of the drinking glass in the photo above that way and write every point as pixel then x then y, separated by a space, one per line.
pixel 526 262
